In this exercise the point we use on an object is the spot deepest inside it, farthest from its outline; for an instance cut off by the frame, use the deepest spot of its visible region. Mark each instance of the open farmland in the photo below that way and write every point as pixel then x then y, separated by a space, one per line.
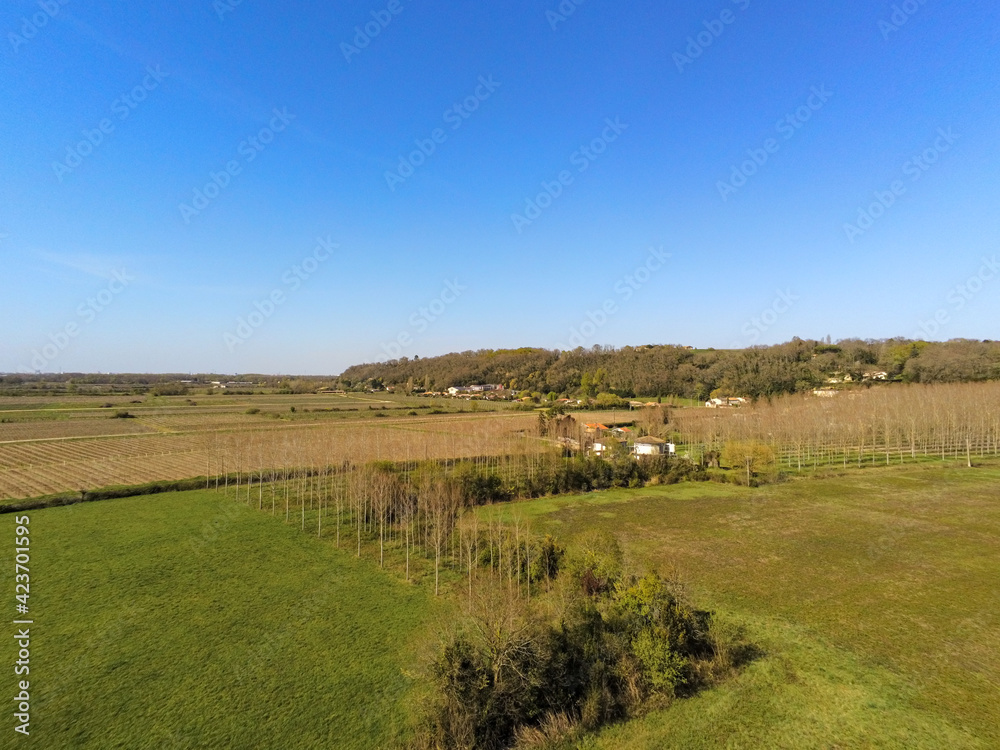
pixel 57 447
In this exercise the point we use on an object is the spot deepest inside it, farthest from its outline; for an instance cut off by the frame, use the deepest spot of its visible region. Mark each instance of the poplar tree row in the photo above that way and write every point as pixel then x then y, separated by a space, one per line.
pixel 880 425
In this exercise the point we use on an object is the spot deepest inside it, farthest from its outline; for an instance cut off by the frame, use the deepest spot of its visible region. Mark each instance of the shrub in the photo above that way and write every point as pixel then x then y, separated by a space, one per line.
pixel 169 389
pixel 749 455
pixel 511 675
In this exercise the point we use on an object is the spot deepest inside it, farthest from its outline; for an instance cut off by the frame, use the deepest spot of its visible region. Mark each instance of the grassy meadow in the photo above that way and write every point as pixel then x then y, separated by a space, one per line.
pixel 873 596
pixel 187 620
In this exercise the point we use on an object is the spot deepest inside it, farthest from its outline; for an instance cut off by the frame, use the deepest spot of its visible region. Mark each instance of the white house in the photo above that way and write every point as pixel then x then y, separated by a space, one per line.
pixel 600 447
pixel 653 446
pixel 719 403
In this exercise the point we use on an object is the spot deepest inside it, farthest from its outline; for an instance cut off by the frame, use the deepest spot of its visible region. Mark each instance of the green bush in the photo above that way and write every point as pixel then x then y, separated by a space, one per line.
pixel 599 659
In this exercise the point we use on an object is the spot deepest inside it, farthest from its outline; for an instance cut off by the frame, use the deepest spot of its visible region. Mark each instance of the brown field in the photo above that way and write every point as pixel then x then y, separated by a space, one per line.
pixel 81 451
pixel 75 443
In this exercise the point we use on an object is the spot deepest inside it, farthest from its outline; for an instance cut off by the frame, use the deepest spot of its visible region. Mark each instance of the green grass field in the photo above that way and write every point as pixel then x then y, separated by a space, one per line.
pixel 185 620
pixel 874 597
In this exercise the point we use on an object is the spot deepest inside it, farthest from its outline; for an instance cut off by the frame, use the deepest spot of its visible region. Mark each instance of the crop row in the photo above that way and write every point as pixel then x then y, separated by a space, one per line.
pixel 34 468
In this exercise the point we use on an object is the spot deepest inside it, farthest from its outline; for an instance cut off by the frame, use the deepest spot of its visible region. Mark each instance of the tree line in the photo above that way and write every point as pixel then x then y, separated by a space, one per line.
pixel 554 641
pixel 878 426
pixel 758 372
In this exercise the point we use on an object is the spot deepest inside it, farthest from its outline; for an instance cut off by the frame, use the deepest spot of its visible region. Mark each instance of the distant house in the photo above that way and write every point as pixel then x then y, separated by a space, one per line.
pixel 600 447
pixel 596 427
pixel 877 375
pixel 458 390
pixel 722 403
pixel 653 446
pixel 826 392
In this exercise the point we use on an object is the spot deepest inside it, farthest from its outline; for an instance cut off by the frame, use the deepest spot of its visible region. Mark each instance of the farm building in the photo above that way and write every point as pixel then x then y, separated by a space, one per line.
pixel 600 447
pixel 721 403
pixel 653 446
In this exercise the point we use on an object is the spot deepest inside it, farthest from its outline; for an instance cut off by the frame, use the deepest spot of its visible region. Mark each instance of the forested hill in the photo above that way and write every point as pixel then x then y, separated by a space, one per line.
pixel 797 365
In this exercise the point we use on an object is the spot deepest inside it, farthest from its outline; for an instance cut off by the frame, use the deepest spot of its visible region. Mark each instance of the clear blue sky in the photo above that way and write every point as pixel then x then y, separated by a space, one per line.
pixel 180 90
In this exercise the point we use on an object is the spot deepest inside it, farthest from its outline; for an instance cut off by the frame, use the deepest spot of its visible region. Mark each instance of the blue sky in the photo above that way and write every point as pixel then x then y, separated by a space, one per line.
pixel 803 169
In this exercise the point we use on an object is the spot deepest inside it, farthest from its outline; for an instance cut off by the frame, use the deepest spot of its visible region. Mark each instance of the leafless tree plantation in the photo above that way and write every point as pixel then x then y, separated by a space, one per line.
pixel 881 425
